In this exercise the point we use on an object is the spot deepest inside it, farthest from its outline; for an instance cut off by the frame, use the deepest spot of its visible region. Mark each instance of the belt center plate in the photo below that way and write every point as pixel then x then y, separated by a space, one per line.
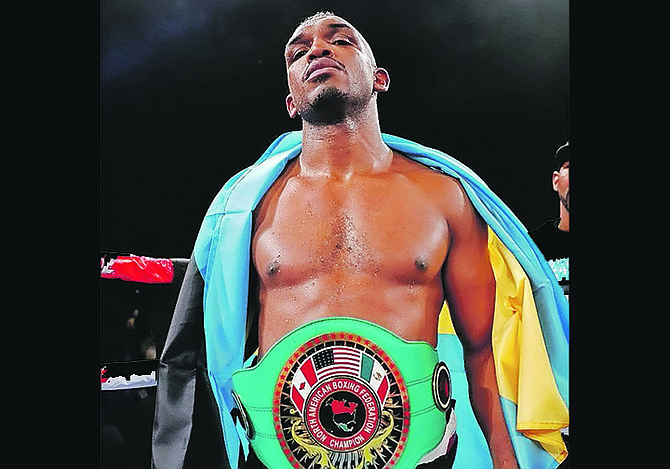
pixel 340 402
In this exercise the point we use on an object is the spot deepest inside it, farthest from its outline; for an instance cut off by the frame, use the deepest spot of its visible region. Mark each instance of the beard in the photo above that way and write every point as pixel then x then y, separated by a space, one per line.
pixel 330 107
pixel 566 201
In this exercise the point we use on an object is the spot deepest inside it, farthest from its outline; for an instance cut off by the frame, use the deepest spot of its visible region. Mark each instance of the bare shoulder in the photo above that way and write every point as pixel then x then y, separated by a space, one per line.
pixel 443 189
pixel 270 199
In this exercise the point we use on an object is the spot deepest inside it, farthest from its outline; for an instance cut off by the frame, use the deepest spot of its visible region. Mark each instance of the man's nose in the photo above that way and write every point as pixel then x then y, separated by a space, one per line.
pixel 319 49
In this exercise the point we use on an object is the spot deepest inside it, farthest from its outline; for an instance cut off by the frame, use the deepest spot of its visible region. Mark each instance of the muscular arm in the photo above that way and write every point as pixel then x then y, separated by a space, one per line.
pixel 469 287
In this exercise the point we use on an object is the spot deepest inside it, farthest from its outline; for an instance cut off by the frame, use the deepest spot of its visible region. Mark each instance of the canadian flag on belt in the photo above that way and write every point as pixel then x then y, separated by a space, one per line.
pixel 338 361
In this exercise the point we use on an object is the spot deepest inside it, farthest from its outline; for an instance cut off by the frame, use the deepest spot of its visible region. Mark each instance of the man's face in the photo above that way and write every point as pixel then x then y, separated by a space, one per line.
pixel 561 184
pixel 329 60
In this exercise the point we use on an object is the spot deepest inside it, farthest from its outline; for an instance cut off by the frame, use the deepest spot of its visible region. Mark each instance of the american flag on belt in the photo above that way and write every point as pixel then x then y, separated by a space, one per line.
pixel 328 362
pixel 337 360
pixel 333 361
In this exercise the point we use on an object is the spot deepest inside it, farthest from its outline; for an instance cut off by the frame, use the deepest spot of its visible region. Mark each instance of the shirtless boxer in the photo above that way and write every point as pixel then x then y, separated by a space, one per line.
pixel 353 228
pixel 308 333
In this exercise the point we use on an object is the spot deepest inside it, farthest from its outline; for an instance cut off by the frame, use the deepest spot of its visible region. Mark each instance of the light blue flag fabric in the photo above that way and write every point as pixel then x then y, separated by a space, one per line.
pixel 222 254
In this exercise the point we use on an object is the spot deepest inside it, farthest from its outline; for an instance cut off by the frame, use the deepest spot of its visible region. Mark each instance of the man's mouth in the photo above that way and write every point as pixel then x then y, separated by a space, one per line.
pixel 321 66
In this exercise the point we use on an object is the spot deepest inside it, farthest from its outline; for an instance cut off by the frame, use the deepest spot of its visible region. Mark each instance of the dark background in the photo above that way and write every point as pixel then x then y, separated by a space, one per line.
pixel 192 91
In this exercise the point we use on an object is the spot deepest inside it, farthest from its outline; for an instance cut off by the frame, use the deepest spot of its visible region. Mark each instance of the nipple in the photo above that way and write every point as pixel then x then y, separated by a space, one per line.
pixel 273 267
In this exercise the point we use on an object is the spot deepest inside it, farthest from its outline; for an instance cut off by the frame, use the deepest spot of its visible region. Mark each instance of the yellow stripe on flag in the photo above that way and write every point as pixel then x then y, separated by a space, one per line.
pixel 522 364
pixel 444 325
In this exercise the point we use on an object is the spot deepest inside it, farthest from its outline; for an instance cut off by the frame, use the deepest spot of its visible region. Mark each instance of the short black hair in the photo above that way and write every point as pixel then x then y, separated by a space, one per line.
pixel 562 155
pixel 326 14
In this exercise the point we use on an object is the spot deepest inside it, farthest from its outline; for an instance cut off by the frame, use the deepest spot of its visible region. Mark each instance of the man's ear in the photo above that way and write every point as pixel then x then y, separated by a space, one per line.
pixel 290 107
pixel 554 180
pixel 382 80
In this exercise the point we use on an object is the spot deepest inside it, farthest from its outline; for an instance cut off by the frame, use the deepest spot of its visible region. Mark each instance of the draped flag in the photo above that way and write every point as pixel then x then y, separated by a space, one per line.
pixel 530 331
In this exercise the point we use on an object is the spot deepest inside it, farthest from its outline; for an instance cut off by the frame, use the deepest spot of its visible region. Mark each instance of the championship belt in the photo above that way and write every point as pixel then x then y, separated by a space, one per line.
pixel 343 393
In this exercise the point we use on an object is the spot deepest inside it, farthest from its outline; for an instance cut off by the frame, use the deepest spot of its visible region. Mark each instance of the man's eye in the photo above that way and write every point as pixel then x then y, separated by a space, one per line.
pixel 341 42
pixel 297 54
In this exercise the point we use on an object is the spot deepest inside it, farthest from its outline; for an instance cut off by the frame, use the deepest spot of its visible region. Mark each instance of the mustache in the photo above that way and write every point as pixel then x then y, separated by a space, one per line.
pixel 320 63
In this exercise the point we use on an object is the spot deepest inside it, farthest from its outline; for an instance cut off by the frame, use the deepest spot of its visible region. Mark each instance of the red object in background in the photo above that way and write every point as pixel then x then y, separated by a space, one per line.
pixel 137 269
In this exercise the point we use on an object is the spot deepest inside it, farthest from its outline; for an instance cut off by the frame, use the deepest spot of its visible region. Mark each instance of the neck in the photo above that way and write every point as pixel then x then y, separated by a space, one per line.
pixel 564 224
pixel 352 147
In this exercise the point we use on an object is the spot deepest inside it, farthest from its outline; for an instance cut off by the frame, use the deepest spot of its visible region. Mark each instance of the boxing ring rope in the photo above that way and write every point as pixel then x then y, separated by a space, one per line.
pixel 133 374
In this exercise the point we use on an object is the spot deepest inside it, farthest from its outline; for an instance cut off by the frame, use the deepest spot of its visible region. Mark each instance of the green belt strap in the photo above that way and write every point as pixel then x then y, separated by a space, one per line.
pixel 278 431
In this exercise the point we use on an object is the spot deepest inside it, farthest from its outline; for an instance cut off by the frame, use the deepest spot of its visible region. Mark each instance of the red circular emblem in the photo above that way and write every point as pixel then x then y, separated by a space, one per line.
pixel 342 413
pixel 341 402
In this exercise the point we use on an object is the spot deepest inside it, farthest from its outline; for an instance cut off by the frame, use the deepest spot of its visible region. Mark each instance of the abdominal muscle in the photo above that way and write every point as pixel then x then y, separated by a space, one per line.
pixel 409 310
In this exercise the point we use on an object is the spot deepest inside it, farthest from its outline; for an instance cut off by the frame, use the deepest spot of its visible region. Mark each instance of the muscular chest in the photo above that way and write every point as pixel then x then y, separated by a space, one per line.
pixel 378 228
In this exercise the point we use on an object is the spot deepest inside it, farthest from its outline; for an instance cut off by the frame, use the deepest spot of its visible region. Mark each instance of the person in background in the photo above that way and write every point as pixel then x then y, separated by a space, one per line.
pixel 552 238
pixel 552 235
